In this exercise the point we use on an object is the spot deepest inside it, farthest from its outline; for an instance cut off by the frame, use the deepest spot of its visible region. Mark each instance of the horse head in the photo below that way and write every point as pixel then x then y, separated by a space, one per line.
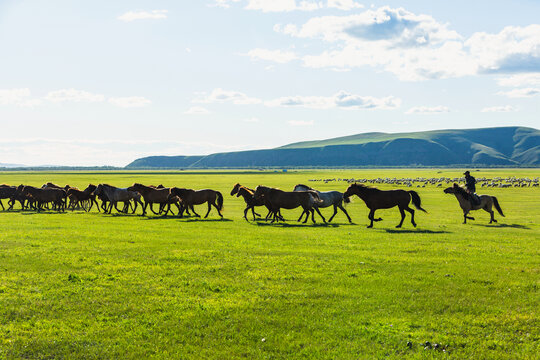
pixel 235 189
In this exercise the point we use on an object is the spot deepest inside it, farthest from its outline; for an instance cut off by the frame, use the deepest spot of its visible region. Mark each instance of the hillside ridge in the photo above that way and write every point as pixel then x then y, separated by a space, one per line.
pixel 497 146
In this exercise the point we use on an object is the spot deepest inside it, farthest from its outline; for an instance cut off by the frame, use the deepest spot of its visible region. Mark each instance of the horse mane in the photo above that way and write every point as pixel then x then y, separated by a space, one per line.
pixel 305 186
pixel 249 191
pixel 461 191
pixel 366 188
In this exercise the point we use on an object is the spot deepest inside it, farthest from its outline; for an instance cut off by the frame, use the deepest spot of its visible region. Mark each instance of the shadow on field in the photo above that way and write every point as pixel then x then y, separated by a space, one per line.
pixel 412 231
pixel 206 220
pixel 33 212
pixel 293 225
pixel 514 226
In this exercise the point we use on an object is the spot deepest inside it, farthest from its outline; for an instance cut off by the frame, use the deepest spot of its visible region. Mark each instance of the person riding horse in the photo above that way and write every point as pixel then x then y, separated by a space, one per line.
pixel 470 184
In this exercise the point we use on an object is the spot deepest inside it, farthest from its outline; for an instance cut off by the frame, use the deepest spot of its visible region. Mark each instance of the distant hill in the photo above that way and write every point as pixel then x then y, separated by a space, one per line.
pixel 502 146
pixel 4 165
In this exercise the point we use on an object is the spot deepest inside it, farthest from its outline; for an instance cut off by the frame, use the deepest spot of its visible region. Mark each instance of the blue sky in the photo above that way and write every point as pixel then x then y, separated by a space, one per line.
pixel 103 82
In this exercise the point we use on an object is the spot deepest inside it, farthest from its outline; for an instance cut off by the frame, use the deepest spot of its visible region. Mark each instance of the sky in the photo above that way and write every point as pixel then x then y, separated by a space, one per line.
pixel 97 82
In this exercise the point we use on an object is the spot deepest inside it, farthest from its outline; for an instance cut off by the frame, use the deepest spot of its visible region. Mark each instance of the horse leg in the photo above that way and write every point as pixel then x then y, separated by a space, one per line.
pixel 219 212
pixel 370 217
pixel 209 208
pixel 402 212
pixel 145 205
pixel 346 213
pixel 313 215
pixel 194 213
pixel 152 208
pixel 412 215
pixel 302 215
pixel 321 215
pixel 334 214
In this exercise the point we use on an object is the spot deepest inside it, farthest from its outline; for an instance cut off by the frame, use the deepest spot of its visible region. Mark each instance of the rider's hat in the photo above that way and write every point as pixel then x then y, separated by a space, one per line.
pixel 467 173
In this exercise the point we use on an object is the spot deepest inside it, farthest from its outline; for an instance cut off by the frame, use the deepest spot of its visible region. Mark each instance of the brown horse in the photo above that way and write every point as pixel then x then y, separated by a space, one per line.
pixel 191 197
pixel 6 192
pixel 379 199
pixel 76 197
pixel 464 199
pixel 151 195
pixel 249 199
pixel 44 196
pixel 115 195
pixel 278 199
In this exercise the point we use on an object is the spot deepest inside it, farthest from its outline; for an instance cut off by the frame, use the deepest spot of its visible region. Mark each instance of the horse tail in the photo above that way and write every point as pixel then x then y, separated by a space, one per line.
pixel 416 200
pixel 316 196
pixel 497 206
pixel 219 200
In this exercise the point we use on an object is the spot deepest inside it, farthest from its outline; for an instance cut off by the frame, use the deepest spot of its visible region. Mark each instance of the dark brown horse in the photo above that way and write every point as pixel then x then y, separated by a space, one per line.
pixel 465 201
pixel 278 199
pixel 191 197
pixel 379 199
pixel 248 195
pixel 152 195
pixel 77 197
pixel 48 195
pixel 6 192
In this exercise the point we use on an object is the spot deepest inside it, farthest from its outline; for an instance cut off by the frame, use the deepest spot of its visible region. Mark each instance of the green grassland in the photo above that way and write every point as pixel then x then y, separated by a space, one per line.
pixel 93 286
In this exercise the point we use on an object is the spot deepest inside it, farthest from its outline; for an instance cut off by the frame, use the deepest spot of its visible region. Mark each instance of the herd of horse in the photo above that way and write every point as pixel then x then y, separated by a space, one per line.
pixel 53 197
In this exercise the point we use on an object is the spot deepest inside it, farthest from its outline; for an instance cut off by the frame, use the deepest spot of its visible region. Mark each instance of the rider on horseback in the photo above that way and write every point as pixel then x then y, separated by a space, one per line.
pixel 470 184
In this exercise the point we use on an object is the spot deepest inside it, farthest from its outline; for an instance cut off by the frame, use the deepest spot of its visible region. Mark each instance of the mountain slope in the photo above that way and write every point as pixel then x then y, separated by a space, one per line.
pixel 503 146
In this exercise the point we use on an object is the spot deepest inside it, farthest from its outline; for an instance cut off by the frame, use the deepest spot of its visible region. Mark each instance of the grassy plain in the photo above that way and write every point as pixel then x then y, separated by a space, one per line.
pixel 93 286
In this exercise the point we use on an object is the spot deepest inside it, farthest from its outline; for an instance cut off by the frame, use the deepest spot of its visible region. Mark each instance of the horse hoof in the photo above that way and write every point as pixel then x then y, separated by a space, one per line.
pixel 399 226
pixel 369 226
pixel 414 224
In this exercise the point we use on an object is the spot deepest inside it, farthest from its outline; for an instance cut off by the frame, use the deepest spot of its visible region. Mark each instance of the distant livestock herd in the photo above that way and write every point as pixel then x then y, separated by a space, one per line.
pixel 497 182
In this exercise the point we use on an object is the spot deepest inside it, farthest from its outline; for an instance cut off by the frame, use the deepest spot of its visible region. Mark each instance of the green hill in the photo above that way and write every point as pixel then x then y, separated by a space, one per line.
pixel 502 146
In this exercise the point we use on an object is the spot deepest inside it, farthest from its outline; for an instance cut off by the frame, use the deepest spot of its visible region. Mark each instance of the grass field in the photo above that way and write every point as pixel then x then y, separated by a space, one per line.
pixel 93 286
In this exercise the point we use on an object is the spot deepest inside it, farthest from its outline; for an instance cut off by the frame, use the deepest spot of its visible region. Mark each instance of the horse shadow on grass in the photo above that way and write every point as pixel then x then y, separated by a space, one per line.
pixel 33 212
pixel 416 231
pixel 513 226
pixel 293 225
pixel 206 220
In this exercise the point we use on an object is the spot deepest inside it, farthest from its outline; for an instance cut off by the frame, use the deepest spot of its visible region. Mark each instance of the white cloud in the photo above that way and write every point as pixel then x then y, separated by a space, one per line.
pixel 197 110
pixel 130 101
pixel 301 123
pixel 426 110
pixel 291 5
pixel 17 97
pixel 514 49
pixel 224 3
pixel 415 47
pixel 344 4
pixel 283 5
pixel 341 100
pixel 277 56
pixel 252 120
pixel 142 15
pixel 520 80
pixel 507 108
pixel 73 95
pixel 221 96
pixel 520 93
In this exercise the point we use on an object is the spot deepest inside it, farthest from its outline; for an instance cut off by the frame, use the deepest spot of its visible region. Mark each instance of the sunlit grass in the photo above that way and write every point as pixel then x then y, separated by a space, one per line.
pixel 87 285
